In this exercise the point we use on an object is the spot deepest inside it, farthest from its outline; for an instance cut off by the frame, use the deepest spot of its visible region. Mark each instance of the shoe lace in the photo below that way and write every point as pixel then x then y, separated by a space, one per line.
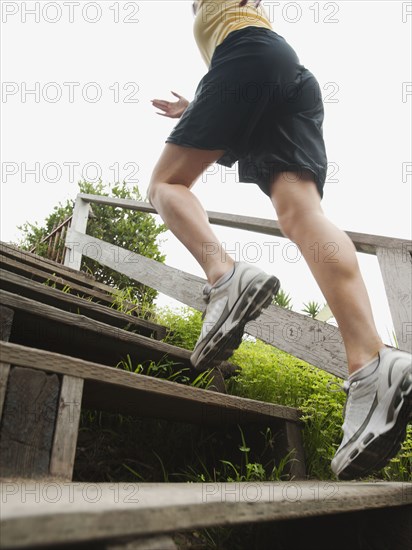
pixel 345 387
pixel 340 387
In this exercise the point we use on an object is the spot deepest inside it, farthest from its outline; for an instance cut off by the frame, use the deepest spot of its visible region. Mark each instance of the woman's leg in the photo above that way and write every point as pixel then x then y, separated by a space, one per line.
pixel 331 257
pixel 244 291
pixel 175 173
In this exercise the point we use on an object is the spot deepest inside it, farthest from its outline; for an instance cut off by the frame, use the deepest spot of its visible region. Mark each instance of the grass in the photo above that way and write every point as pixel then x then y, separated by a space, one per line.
pixel 271 375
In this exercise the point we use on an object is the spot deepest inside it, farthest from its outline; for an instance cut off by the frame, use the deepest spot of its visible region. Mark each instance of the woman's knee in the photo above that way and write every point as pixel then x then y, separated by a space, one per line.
pixel 151 191
pixel 286 222
pixel 294 196
pixel 155 190
pixel 162 190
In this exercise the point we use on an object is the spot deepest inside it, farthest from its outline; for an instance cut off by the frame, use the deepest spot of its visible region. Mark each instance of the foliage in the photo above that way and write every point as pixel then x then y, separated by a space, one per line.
pixel 283 299
pixel 312 309
pixel 243 470
pixel 166 370
pixel 271 375
pixel 183 326
pixel 133 230
pixel 400 467
pixel 268 374
pixel 182 452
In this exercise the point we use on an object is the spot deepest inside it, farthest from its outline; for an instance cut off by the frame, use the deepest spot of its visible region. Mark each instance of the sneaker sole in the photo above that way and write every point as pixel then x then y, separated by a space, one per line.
pixel 248 307
pixel 381 448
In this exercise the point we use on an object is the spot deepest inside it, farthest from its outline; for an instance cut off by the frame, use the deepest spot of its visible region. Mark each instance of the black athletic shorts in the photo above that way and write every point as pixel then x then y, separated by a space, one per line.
pixel 261 106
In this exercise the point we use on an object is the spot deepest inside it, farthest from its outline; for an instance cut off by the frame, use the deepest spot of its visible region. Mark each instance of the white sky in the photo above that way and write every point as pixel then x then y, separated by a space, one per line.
pixel 362 62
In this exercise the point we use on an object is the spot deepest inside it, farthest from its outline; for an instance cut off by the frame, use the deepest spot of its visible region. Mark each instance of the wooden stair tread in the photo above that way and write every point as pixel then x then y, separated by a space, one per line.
pixel 126 392
pixel 56 512
pixel 18 284
pixel 34 260
pixel 61 280
pixel 73 334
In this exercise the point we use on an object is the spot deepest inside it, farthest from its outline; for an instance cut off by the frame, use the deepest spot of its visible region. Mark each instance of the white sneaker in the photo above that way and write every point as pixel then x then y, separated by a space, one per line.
pixel 230 305
pixel 377 410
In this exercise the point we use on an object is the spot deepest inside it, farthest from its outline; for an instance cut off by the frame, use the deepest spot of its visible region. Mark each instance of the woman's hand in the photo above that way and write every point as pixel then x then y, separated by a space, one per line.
pixel 244 2
pixel 171 110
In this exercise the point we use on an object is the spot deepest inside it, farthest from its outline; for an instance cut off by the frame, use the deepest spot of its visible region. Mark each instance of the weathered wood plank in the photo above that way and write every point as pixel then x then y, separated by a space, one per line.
pixel 17 284
pixel 146 395
pixel 396 268
pixel 72 257
pixel 170 281
pixel 362 241
pixel 294 445
pixel 67 428
pixel 313 341
pixel 27 426
pixel 73 334
pixel 6 321
pixel 43 276
pixel 74 323
pixel 83 512
pixel 4 378
pixel 145 543
pixel 50 266
pixel 31 258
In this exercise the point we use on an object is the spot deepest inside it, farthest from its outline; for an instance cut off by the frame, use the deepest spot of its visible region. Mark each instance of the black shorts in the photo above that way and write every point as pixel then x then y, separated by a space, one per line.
pixel 259 105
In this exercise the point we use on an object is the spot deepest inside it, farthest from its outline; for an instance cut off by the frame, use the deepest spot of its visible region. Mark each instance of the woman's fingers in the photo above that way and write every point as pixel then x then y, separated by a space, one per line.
pixel 171 110
pixel 161 106
pixel 160 102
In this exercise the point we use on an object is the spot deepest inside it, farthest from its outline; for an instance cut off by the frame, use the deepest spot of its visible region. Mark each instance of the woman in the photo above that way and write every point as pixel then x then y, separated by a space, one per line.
pixel 259 106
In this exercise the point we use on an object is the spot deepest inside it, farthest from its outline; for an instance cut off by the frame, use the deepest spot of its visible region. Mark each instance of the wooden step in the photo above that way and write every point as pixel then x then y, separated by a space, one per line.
pixel 59 280
pixel 117 390
pixel 40 325
pixel 52 512
pixel 96 386
pixel 162 542
pixel 17 284
pixel 29 259
pixel 42 269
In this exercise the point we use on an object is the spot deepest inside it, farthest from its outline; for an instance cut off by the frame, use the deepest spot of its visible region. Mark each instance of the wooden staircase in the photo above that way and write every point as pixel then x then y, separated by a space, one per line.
pixel 59 349
pixel 293 516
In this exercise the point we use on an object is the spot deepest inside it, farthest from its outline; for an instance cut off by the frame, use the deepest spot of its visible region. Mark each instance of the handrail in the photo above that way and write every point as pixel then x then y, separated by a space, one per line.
pixel 311 340
pixel 55 251
pixel 363 242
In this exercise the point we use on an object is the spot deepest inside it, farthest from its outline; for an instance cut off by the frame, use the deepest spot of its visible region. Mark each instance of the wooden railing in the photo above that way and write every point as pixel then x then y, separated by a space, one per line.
pixel 55 240
pixel 316 342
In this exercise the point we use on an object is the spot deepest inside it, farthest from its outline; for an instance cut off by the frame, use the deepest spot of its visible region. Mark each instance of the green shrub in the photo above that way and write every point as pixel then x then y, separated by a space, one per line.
pixel 271 375
pixel 183 326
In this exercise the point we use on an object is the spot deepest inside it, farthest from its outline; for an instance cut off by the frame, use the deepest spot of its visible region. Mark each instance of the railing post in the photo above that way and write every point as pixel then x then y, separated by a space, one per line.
pixel 396 268
pixel 73 252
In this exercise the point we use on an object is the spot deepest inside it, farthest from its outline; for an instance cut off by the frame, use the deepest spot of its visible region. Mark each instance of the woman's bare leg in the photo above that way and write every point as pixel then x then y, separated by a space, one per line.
pixel 175 173
pixel 239 297
pixel 331 256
